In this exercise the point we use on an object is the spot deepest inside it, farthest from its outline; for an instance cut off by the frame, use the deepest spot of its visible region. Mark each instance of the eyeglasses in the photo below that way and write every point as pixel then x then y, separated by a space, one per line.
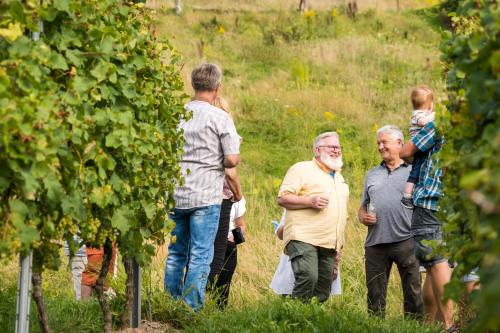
pixel 337 148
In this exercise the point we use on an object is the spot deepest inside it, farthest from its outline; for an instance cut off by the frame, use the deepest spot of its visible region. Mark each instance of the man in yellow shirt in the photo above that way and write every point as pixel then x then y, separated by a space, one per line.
pixel 315 196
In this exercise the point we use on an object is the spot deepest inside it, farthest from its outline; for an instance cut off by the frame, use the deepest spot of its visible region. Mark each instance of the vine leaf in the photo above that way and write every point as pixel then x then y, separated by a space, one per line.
pixel 121 219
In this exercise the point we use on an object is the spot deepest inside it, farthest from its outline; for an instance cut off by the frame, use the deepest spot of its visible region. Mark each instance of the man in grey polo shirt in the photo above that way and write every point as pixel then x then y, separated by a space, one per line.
pixel 211 144
pixel 389 227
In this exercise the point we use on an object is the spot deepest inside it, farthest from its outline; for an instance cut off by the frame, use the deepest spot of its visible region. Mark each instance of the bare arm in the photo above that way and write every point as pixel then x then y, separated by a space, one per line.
pixel 279 231
pixel 365 218
pixel 233 181
pixel 292 201
pixel 230 161
pixel 240 222
pixel 407 151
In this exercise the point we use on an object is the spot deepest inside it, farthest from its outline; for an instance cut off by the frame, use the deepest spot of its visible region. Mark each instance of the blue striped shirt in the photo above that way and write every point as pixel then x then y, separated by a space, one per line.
pixel 429 188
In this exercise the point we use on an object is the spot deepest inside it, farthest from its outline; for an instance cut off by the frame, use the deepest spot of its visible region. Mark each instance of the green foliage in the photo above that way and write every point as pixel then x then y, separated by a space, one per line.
pixel 449 6
pixel 302 26
pixel 472 127
pixel 89 137
pixel 65 314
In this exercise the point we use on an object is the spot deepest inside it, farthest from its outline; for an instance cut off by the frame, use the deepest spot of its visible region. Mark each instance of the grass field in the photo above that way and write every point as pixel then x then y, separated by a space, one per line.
pixel 288 77
pixel 266 5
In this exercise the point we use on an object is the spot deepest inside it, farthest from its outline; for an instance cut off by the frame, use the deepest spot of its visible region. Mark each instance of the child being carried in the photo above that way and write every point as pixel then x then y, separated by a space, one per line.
pixel 422 100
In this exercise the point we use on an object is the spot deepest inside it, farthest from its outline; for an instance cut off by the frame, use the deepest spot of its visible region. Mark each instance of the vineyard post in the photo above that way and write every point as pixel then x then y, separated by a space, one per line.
pixel 25 262
pixel 178 7
pixel 23 294
pixel 136 309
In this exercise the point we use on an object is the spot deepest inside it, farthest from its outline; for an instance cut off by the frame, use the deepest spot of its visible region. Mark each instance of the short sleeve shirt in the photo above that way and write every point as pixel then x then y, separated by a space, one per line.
pixel 318 227
pixel 238 209
pixel 383 189
pixel 209 135
pixel 428 189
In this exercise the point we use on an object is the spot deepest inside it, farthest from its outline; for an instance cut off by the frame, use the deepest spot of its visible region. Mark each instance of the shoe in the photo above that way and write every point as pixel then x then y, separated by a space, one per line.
pixel 406 201
pixel 452 329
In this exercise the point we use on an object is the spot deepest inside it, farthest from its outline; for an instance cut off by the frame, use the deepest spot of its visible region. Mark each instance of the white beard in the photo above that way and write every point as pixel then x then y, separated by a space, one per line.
pixel 334 164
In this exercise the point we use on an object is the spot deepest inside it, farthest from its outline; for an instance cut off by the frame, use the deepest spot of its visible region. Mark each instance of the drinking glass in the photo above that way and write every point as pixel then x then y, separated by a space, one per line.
pixel 371 210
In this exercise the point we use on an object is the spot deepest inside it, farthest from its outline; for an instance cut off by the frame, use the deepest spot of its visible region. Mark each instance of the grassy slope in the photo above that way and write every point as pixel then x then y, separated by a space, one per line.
pixel 287 79
pixel 347 76
pixel 264 5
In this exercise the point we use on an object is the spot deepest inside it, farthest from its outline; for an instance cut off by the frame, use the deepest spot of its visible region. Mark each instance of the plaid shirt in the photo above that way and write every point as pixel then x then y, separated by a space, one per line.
pixel 429 188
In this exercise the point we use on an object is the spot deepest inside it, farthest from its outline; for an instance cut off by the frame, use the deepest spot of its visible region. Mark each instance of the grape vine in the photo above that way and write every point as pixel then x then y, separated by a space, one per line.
pixel 88 123
pixel 471 205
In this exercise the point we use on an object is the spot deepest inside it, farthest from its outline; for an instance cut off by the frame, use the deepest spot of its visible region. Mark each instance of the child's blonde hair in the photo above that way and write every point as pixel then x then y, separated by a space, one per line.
pixel 222 104
pixel 421 96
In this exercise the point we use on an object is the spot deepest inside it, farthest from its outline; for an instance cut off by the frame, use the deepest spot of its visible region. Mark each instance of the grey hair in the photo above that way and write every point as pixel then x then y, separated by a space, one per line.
pixel 322 136
pixel 393 130
pixel 206 77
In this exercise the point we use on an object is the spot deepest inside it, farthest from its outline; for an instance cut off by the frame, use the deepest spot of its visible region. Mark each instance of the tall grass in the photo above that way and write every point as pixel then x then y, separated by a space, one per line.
pixel 266 5
pixel 288 77
pixel 278 315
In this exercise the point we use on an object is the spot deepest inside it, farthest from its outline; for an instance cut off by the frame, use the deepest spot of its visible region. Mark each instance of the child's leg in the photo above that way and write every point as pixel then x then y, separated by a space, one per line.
pixel 418 160
pixel 407 200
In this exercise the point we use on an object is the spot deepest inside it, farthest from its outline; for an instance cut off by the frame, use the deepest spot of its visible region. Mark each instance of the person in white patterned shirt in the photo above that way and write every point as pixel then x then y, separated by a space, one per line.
pixel 211 144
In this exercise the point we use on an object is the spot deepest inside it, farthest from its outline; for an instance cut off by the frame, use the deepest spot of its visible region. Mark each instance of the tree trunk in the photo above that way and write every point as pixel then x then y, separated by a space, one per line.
pixel 302 5
pixel 397 5
pixel 108 250
pixel 36 280
pixel 129 292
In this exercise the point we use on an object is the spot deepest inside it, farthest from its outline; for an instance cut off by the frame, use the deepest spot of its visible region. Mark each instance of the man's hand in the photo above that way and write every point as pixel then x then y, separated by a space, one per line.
pixel 318 202
pixel 365 218
pixel 335 272
pixel 293 201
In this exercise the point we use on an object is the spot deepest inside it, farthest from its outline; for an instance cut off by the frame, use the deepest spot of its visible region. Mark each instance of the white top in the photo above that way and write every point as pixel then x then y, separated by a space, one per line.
pixel 237 210
pixel 283 279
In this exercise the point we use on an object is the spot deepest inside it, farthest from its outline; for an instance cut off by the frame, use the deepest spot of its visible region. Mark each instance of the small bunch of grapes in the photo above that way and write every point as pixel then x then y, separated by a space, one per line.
pixel 65 225
pixel 89 230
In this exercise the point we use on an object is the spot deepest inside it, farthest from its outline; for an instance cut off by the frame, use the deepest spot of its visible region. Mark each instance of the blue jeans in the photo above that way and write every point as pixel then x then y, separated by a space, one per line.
pixel 194 232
